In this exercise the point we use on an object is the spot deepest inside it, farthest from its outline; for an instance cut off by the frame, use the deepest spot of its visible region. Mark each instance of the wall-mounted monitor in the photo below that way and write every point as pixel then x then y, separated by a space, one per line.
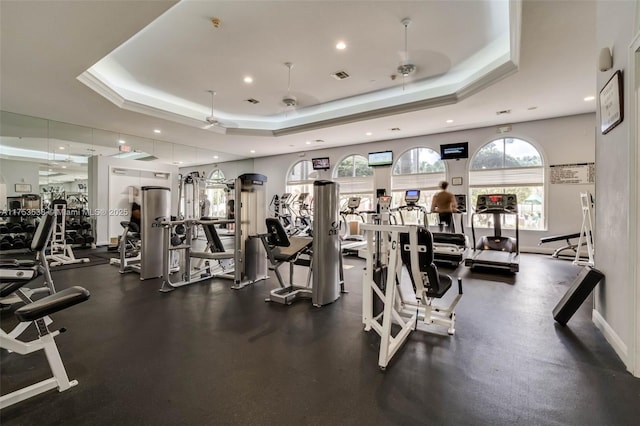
pixel 454 151
pixel 384 158
pixel 321 163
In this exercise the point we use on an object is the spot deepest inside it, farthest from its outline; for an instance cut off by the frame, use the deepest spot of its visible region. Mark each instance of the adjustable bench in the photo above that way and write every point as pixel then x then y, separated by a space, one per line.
pixel 36 312
pixel 573 247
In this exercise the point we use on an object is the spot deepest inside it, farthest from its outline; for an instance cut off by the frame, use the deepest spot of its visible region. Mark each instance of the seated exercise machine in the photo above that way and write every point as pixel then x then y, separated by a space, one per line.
pixel 323 249
pixel 214 251
pixel 37 313
pixel 129 248
pixel 283 249
pixel 408 247
pixel 496 251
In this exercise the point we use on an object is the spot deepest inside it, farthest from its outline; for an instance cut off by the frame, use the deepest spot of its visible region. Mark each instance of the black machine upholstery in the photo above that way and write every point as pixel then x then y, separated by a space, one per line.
pixel 51 304
pixel 212 236
pixel 41 236
pixel 7 288
pixel 285 248
pixel 438 284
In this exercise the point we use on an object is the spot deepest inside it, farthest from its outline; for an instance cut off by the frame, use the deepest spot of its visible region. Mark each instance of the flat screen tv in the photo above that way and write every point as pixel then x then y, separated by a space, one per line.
pixel 454 151
pixel 383 158
pixel 321 163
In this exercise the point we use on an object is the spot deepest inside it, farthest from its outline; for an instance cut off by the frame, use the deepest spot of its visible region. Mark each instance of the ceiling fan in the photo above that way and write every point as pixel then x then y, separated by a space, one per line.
pixel 212 120
pixel 406 67
pixel 289 100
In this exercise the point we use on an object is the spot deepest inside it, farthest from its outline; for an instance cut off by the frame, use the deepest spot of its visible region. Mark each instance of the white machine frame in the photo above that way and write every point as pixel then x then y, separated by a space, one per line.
pixel 191 275
pixel 406 312
pixel 586 232
pixel 61 253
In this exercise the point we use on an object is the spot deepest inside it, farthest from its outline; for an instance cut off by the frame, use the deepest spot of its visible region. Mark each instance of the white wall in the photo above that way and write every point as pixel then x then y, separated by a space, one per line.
pixel 561 141
pixel 614 313
pixel 231 169
pixel 13 172
pixel 101 192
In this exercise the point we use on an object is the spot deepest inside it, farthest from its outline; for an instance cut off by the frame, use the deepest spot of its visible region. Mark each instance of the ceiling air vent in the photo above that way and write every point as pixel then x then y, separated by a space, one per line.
pixel 252 101
pixel 504 111
pixel 340 75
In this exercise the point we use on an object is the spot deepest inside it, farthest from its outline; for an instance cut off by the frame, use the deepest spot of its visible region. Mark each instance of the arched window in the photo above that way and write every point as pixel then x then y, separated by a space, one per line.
pixel 300 180
pixel 217 193
pixel 355 178
pixel 418 168
pixel 513 166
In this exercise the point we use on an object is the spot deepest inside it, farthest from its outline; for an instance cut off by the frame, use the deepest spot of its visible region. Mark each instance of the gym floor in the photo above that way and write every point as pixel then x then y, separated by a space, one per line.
pixel 206 354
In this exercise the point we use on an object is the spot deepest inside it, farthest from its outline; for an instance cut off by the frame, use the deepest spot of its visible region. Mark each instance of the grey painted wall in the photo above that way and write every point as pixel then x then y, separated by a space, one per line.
pixel 615 29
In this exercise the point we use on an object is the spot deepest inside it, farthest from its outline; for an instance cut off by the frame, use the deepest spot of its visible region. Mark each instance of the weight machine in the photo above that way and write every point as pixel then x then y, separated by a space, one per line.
pixel 60 251
pixel 408 247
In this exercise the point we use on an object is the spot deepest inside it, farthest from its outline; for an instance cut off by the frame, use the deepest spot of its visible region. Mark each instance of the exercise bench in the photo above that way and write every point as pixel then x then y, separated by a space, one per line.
pixel 36 312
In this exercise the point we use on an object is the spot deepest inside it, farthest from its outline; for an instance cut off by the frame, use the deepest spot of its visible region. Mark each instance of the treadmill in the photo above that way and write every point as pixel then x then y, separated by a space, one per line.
pixel 495 251
pixel 449 247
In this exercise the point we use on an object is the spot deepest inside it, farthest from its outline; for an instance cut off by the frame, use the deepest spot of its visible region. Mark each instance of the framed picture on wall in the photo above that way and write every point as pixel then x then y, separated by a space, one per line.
pixel 611 108
pixel 23 187
pixel 456 181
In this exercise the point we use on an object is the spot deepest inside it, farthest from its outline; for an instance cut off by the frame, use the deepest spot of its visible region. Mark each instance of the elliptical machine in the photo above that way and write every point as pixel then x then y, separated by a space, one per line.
pixel 411 197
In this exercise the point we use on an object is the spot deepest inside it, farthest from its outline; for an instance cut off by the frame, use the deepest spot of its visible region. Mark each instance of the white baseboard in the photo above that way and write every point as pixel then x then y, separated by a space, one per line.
pixel 614 340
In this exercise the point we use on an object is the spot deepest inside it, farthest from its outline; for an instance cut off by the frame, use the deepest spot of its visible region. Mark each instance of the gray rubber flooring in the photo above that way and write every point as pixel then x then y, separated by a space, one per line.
pixel 206 354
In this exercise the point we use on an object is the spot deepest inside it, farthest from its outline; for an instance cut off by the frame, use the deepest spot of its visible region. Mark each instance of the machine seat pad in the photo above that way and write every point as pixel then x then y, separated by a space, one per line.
pixel 449 238
pixel 131 226
pixel 297 245
pixel 15 263
pixel 7 288
pixel 214 256
pixel 51 304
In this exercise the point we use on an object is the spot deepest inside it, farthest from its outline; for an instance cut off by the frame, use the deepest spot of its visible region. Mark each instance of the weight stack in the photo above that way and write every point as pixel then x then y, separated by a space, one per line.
pixel 580 289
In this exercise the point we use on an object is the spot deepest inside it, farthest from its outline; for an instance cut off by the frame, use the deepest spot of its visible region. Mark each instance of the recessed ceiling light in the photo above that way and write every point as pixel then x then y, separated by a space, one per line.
pixel 215 156
pixel 341 45
pixel 248 79
pixel 157 131
pixel 308 142
pixel 253 151
pixel 64 167
pixel 449 121
pixel 62 147
pixel 589 98
pixel 122 141
pixel 368 133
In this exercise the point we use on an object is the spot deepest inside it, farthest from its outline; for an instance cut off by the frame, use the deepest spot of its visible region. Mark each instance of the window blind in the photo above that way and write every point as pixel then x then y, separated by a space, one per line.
pixel 500 177
pixel 416 181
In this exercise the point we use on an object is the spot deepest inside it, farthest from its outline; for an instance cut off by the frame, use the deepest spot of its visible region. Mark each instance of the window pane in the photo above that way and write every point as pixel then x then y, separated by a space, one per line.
pixel 521 153
pixel 491 156
pixel 300 171
pixel 361 166
pixel 530 207
pixel 345 168
pixel 429 161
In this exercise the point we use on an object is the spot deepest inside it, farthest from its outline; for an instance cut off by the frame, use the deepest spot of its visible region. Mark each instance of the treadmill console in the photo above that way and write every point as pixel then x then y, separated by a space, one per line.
pixel 461 201
pixel 353 203
pixel 411 197
pixel 497 203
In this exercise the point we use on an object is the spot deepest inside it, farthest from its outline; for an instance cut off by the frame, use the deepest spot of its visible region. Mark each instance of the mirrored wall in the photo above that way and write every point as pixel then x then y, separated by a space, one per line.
pixel 50 158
